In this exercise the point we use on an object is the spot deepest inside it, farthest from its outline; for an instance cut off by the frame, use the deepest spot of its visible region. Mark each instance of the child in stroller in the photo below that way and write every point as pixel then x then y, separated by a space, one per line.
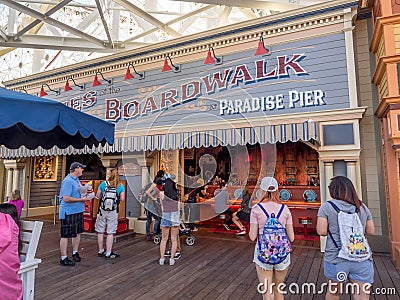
pixel 183 230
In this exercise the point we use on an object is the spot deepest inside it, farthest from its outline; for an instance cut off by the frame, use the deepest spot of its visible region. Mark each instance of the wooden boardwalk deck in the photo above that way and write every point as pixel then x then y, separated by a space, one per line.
pixel 218 266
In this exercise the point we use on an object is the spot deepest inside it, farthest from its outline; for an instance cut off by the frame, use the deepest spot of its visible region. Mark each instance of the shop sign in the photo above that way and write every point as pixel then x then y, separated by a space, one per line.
pixel 300 77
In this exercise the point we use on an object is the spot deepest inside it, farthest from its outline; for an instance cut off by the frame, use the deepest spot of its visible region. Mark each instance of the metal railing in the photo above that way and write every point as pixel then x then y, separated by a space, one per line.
pixel 56 202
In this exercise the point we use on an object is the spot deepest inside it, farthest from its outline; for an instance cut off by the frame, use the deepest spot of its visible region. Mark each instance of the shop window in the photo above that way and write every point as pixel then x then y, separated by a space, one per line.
pixel 398 122
pixel 340 134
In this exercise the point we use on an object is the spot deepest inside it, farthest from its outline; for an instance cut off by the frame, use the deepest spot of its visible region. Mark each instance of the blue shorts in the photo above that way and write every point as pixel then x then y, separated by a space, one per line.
pixel 357 271
pixel 170 219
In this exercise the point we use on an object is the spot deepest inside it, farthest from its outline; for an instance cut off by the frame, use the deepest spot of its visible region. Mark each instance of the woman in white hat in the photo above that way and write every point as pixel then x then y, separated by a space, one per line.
pixel 269 201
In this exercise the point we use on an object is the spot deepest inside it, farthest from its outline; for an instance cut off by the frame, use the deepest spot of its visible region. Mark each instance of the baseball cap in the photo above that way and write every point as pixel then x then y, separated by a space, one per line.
pixel 75 165
pixel 269 184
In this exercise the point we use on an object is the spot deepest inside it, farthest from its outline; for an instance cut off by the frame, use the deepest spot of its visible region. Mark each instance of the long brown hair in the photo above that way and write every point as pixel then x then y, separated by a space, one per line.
pixel 270 196
pixel 341 188
pixel 113 179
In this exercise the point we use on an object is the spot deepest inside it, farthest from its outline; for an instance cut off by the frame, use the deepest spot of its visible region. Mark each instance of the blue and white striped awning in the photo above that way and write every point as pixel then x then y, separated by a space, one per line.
pixel 232 136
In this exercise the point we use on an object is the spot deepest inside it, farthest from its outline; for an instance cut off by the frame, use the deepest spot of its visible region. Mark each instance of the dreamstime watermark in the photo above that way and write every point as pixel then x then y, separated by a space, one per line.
pixel 311 288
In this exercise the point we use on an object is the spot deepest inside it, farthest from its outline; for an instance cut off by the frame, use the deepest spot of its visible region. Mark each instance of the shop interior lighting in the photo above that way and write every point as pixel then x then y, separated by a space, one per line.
pixel 212 58
pixel 96 81
pixel 67 87
pixel 167 67
pixel 261 49
pixel 128 74
pixel 43 93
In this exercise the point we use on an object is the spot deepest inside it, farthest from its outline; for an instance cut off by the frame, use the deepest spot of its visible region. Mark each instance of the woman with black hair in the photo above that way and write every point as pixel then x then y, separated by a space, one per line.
pixel 337 266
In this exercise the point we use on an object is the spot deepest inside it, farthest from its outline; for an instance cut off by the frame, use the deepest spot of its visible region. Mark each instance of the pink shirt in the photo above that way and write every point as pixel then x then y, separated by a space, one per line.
pixel 19 204
pixel 257 216
pixel 10 283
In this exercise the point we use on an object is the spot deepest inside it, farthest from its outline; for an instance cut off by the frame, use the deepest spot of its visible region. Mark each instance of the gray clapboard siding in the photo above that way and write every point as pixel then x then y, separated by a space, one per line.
pixel 42 192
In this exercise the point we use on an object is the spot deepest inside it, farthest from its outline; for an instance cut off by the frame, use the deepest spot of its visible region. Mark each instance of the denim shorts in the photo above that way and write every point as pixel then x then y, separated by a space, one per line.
pixel 267 267
pixel 357 271
pixel 170 219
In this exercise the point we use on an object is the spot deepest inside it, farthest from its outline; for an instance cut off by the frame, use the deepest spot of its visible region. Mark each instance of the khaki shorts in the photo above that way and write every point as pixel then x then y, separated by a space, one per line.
pixel 107 219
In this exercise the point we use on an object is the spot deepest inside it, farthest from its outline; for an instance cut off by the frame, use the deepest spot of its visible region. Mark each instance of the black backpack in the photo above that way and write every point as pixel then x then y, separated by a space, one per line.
pixel 109 199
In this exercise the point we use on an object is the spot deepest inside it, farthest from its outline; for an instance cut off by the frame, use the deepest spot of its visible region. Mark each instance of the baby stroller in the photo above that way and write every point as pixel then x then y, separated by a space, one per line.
pixel 183 230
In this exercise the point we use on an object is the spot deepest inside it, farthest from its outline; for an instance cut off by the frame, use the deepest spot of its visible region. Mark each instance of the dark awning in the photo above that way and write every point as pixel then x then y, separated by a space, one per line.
pixel 33 122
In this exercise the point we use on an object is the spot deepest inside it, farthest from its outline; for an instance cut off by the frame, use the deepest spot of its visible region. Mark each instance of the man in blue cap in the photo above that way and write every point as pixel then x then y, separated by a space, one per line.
pixel 71 213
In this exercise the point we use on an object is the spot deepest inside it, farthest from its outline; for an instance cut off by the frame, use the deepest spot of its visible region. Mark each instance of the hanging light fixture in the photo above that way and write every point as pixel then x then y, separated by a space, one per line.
pixel 167 67
pixel 67 87
pixel 128 74
pixel 261 49
pixel 43 93
pixel 96 81
pixel 212 58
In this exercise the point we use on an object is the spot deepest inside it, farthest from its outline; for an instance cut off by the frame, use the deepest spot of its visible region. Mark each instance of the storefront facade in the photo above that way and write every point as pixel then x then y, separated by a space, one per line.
pixel 297 113
pixel 385 47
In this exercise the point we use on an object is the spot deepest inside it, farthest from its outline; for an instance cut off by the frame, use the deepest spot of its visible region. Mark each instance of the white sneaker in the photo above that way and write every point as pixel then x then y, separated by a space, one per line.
pixel 171 261
pixel 241 232
pixel 162 261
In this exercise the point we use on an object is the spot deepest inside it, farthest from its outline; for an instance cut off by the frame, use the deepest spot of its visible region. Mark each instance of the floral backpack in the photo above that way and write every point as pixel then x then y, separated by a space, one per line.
pixel 273 245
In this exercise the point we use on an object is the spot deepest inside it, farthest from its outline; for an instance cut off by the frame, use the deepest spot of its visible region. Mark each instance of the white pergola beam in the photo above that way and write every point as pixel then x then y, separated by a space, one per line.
pixel 53 22
pixel 149 18
pixel 267 5
pixel 181 18
pixel 67 43
pixel 103 20
pixel 37 22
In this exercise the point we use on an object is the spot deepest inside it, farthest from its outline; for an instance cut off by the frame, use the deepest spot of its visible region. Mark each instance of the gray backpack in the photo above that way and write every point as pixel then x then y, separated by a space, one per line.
pixel 109 199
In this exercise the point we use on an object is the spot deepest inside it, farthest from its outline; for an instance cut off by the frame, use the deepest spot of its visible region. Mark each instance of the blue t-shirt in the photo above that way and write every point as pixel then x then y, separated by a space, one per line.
pixel 70 187
pixel 120 189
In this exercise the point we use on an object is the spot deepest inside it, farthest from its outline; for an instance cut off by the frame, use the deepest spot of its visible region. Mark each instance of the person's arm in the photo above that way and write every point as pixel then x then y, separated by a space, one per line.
pixel 253 226
pixel 122 196
pixel 322 226
pixel 73 199
pixel 253 231
pixel 290 232
pixel 149 190
pixel 370 227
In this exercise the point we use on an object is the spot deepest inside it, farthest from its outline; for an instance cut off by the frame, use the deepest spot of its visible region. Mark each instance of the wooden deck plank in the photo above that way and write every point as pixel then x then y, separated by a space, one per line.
pixel 218 266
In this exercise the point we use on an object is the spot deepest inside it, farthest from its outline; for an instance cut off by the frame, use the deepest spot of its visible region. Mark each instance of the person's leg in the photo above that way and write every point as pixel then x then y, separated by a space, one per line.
pixel 100 241
pixel 109 243
pixel 237 222
pixel 75 243
pixel 165 233
pixel 178 243
pixel 363 293
pixel 333 290
pixel 265 283
pixel 279 277
pixel 228 221
pixel 156 229
pixel 174 234
pixel 169 244
pixel 148 223
pixel 112 226
pixel 63 246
